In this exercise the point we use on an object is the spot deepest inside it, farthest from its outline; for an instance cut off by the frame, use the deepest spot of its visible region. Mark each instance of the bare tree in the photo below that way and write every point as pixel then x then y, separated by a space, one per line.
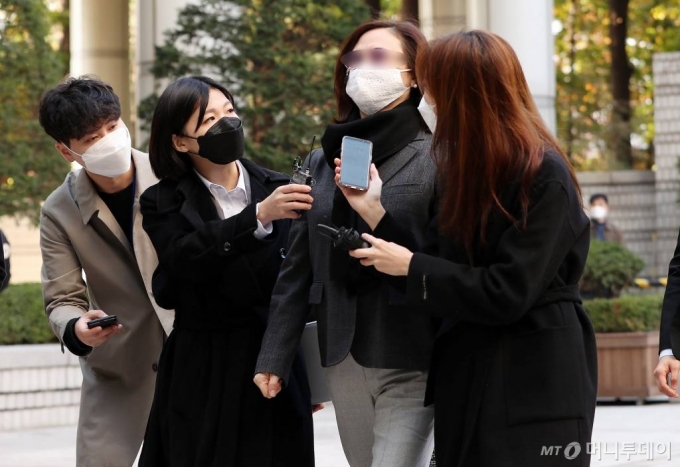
pixel 409 9
pixel 572 62
pixel 375 8
pixel 621 73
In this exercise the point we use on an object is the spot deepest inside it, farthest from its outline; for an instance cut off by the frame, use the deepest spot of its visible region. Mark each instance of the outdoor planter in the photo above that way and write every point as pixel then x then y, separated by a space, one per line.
pixel 626 362
pixel 626 329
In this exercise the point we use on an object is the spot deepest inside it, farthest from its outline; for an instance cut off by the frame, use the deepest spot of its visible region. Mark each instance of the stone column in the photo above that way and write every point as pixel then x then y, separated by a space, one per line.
pixel 100 45
pixel 527 26
pixel 666 72
pixel 153 19
pixel 441 17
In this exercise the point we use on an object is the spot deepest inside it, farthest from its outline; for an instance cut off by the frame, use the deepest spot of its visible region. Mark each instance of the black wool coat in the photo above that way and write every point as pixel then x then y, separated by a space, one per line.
pixel 514 367
pixel 207 411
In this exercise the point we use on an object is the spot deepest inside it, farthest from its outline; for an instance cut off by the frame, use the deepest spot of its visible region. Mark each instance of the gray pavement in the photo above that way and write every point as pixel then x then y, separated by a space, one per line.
pixel 617 428
pixel 55 447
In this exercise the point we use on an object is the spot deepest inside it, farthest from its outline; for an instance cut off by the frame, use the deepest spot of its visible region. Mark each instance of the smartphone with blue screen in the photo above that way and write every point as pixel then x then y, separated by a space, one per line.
pixel 356 155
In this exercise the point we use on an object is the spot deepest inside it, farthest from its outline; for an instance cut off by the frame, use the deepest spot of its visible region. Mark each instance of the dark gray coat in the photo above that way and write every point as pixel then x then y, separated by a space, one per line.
pixel 377 327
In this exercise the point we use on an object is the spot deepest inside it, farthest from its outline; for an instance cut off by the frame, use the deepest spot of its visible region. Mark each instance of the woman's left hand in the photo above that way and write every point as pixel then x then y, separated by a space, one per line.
pixel 366 203
pixel 386 257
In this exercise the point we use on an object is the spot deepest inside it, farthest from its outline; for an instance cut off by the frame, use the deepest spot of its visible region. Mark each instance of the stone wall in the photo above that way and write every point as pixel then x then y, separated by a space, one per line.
pixel 632 201
pixel 39 386
pixel 666 69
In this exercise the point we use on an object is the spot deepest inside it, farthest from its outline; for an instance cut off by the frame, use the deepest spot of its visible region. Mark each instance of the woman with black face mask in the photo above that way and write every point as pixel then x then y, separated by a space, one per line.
pixel 219 224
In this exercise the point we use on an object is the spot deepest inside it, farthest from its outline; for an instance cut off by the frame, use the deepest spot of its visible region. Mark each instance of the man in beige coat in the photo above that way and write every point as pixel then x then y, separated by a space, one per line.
pixel 98 261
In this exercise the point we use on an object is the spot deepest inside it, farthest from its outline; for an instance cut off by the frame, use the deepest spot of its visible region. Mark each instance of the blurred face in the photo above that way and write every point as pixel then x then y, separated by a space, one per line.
pixel 80 146
pixel 218 107
pixel 379 48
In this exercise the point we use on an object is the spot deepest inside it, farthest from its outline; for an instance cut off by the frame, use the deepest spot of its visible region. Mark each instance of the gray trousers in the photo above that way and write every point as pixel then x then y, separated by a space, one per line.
pixel 380 414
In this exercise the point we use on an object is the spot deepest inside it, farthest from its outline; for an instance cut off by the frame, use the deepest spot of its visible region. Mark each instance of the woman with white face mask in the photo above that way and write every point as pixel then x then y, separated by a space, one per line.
pixel 375 351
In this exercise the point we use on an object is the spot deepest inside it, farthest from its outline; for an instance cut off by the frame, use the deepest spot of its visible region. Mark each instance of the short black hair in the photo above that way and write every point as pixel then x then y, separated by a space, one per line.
pixel 597 196
pixel 76 107
pixel 173 109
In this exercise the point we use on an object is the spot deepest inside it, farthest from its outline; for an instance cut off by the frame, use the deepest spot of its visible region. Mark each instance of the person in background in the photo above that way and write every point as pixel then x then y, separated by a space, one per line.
pixel 600 228
pixel 91 224
pixel 5 273
pixel 514 368
pixel 219 224
pixel 375 349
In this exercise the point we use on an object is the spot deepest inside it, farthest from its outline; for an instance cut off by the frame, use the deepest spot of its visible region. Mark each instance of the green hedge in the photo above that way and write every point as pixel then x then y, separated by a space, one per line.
pixel 626 313
pixel 609 269
pixel 22 316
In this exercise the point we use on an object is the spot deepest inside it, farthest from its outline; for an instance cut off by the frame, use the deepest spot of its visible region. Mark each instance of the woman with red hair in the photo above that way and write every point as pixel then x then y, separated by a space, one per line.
pixel 514 367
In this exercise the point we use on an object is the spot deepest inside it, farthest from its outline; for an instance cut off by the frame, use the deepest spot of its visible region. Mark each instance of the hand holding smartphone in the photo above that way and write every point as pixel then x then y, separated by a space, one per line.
pixel 356 155
pixel 104 322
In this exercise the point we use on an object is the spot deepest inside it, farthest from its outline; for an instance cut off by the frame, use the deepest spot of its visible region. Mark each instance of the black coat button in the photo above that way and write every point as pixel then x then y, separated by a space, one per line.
pixel 154 366
pixel 282 252
pixel 227 246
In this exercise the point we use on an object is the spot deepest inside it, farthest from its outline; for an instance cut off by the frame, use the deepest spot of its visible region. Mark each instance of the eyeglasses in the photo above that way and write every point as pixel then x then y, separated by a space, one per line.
pixel 377 57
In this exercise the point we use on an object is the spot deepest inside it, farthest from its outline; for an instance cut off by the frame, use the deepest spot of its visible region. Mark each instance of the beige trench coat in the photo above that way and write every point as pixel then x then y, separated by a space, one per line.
pixel 79 234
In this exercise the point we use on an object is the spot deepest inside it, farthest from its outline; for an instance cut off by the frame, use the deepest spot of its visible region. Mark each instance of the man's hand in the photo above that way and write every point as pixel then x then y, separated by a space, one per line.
pixel 317 407
pixel 95 336
pixel 269 384
pixel 668 364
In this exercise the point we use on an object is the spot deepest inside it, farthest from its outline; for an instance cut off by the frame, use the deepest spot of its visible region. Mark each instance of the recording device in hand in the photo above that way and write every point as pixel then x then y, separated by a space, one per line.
pixel 356 155
pixel 343 237
pixel 302 177
pixel 104 322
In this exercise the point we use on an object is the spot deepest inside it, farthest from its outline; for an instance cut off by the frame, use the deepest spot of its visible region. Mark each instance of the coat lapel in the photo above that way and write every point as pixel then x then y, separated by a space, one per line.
pixel 95 212
pixel 255 188
pixel 394 164
pixel 145 253
pixel 198 206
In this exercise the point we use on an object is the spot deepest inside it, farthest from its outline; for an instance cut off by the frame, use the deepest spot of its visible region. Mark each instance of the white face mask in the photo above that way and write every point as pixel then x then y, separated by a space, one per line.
pixel 373 89
pixel 111 156
pixel 429 115
pixel 598 212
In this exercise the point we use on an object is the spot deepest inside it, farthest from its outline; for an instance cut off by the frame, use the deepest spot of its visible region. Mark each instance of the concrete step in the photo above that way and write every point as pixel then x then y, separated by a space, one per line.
pixel 39 387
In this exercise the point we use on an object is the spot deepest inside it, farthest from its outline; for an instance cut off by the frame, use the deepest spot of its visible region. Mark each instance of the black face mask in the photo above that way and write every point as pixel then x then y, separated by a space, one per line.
pixel 223 143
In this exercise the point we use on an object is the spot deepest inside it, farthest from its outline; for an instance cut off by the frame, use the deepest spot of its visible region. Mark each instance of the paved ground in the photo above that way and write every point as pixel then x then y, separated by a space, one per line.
pixel 55 447
pixel 616 428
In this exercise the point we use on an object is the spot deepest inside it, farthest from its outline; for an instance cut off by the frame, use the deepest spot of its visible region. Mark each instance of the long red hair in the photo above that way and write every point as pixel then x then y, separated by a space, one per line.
pixel 489 132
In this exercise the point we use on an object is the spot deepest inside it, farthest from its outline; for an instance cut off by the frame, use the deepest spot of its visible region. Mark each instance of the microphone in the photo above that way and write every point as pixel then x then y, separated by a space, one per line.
pixel 342 237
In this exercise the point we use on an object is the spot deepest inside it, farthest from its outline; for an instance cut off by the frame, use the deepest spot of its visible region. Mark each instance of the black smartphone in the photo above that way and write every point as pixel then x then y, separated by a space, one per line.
pixel 356 155
pixel 104 322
